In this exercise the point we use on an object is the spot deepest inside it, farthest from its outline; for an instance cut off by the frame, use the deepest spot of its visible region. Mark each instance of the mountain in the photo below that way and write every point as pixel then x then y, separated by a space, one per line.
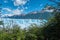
pixel 33 15
pixel 43 14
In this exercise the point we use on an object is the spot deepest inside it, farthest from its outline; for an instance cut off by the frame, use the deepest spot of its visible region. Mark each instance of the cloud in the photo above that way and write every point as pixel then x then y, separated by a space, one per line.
pixel 51 10
pixel 12 12
pixel 20 2
pixel 7 15
pixel 7 9
pixel 17 11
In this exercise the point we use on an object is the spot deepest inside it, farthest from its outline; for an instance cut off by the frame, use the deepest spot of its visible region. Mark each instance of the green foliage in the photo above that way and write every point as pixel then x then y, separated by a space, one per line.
pixel 1 22
pixel 14 33
pixel 50 31
pixel 34 32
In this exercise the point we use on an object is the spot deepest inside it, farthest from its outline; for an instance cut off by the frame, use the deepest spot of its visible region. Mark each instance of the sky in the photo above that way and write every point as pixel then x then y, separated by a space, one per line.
pixel 17 7
pixel 21 6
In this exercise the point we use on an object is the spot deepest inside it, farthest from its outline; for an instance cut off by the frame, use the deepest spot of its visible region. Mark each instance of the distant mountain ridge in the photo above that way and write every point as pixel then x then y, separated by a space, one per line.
pixel 43 14
pixel 37 15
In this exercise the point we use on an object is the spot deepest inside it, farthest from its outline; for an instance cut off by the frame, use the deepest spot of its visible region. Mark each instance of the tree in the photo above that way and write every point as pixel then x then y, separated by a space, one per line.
pixel 51 30
pixel 34 32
